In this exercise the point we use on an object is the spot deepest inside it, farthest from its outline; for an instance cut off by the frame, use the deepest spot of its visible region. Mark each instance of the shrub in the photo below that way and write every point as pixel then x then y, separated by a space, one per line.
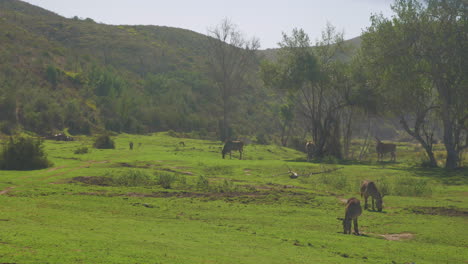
pixel 104 142
pixel 226 186
pixel 23 154
pixel 411 187
pixel 133 178
pixel 82 150
pixel 166 180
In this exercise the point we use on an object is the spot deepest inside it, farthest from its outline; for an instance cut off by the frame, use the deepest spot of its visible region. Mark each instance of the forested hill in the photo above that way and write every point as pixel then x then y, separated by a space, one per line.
pixel 76 74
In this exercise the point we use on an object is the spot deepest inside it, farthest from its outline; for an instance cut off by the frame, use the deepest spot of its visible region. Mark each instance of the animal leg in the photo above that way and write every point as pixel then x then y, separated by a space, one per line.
pixel 365 200
pixel 356 229
pixel 372 197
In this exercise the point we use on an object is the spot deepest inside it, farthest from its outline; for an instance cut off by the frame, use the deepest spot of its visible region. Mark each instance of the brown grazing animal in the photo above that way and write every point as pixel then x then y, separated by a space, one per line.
pixel 309 149
pixel 383 148
pixel 131 145
pixel 368 188
pixel 353 210
pixel 233 145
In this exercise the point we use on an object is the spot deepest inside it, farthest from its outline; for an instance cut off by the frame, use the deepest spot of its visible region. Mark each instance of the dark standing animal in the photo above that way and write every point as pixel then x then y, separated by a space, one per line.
pixel 309 149
pixel 131 145
pixel 352 211
pixel 233 145
pixel 383 148
pixel 368 188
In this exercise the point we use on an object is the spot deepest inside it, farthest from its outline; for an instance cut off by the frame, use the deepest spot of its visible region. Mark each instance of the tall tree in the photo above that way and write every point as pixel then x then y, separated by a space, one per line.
pixel 231 59
pixel 418 61
pixel 315 77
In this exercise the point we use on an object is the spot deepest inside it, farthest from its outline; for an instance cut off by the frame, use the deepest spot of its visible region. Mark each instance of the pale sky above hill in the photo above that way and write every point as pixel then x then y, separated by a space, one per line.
pixel 264 19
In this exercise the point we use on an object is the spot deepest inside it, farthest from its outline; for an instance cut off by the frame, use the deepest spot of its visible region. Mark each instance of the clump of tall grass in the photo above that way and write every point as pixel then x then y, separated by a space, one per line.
pixel 82 150
pixel 132 178
pixel 411 187
pixel 226 186
pixel 404 186
pixel 219 170
pixel 166 180
pixel 202 183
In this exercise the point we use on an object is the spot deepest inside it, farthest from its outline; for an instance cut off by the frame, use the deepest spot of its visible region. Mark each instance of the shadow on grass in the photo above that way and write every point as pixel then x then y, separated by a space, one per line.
pixel 345 162
pixel 448 177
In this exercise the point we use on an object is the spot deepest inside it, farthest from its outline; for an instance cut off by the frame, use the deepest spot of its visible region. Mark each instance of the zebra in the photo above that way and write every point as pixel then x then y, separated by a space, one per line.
pixel 368 188
pixel 233 145
pixel 383 148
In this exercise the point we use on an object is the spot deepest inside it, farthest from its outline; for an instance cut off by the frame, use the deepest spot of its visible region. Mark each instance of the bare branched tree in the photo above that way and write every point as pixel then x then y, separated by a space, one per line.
pixel 231 59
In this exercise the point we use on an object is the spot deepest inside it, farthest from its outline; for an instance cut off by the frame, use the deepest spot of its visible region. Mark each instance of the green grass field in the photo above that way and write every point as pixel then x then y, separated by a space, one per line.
pixel 168 203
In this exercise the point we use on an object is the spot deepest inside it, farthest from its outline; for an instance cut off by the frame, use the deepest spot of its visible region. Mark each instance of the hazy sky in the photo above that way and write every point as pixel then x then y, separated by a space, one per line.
pixel 265 19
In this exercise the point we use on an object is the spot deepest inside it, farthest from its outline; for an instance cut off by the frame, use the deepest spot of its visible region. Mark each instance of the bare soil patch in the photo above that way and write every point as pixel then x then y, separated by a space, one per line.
pixel 8 189
pixel 444 211
pixel 396 237
pixel 128 165
pixel 93 180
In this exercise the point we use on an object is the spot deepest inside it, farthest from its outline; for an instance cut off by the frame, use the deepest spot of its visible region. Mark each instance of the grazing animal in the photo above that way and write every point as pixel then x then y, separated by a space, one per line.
pixel 352 211
pixel 182 144
pixel 368 188
pixel 131 145
pixel 233 145
pixel 383 148
pixel 309 149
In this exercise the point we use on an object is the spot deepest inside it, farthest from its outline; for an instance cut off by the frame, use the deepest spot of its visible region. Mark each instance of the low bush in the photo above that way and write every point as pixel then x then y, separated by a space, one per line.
pixel 104 142
pixel 133 178
pixel 23 154
pixel 166 180
pixel 82 150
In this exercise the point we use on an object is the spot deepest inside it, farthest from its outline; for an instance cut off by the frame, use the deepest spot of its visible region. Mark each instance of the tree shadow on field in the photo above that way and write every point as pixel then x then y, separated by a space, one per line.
pixel 448 177
pixel 343 162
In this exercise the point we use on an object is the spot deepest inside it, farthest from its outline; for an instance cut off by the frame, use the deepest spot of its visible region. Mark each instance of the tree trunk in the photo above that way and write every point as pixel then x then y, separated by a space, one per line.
pixel 451 161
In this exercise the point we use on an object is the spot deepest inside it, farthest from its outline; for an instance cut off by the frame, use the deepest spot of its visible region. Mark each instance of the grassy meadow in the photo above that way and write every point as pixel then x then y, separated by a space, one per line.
pixel 167 202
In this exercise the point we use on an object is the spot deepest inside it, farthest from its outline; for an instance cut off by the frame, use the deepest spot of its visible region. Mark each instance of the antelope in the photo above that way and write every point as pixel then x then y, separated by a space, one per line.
pixel 231 145
pixel 309 146
pixel 352 211
pixel 383 148
pixel 368 188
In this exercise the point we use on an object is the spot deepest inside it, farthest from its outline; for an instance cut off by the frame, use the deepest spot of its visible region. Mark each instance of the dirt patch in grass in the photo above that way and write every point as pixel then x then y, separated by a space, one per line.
pixel 181 194
pixel 396 237
pixel 93 180
pixel 7 190
pixel 128 165
pixel 444 211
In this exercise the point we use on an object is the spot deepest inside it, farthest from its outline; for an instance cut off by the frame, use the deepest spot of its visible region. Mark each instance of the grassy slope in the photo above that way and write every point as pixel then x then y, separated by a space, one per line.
pixel 262 216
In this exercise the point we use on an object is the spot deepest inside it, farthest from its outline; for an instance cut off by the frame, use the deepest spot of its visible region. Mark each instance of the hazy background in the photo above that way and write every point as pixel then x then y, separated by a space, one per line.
pixel 265 19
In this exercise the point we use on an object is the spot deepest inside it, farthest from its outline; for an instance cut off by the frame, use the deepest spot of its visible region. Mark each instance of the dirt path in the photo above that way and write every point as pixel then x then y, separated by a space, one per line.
pixel 5 191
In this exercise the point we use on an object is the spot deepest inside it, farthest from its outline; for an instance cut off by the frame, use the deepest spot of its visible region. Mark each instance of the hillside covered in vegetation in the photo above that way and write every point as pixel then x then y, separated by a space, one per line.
pixel 76 74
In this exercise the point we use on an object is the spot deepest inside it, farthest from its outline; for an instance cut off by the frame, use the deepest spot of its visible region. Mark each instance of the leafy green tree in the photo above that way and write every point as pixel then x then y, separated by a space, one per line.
pixel 418 62
pixel 315 79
